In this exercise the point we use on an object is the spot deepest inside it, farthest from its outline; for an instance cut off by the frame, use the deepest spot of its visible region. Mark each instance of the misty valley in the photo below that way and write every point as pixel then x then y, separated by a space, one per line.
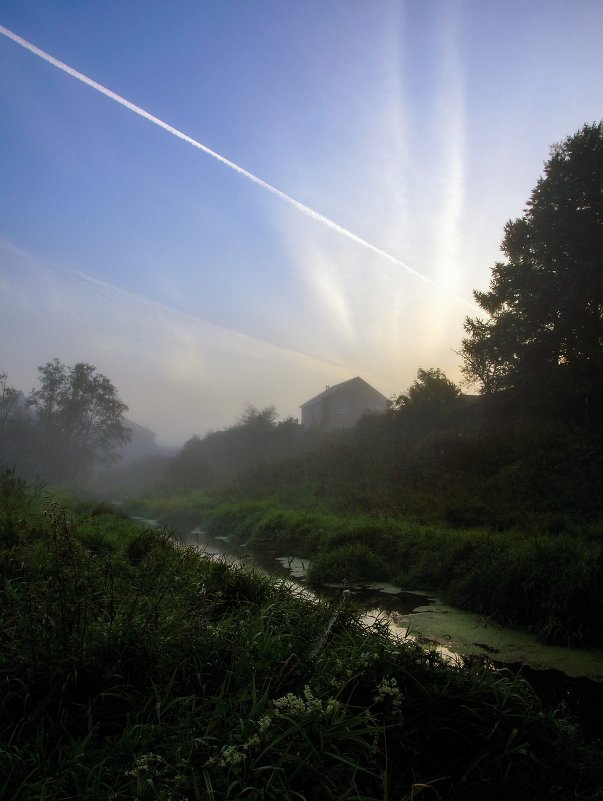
pixel 386 599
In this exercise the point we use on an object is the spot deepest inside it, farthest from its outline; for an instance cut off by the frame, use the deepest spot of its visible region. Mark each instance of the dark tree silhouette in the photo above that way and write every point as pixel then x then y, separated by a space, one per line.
pixel 543 340
pixel 15 425
pixel 432 389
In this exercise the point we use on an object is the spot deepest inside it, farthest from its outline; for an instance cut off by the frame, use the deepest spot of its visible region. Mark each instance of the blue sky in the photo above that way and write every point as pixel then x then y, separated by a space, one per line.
pixel 420 127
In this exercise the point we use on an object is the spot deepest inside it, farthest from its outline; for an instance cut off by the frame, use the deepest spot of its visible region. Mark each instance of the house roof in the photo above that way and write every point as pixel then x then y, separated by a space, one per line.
pixel 336 388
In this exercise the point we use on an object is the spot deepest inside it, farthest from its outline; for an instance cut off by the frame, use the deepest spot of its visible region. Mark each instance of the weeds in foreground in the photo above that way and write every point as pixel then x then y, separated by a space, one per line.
pixel 140 668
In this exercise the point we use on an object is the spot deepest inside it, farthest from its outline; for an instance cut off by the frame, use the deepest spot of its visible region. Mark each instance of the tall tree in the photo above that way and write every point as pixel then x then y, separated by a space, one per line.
pixel 11 403
pixel 79 416
pixel 15 425
pixel 543 340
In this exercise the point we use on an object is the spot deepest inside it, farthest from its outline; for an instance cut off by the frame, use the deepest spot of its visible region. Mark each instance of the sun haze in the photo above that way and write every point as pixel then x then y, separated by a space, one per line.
pixel 352 168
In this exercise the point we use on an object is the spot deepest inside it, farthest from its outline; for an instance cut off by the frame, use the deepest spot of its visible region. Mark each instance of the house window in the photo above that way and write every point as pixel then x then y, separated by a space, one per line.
pixel 341 407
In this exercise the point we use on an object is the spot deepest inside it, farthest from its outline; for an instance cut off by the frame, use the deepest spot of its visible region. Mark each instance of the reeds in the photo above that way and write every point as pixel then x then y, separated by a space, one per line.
pixel 137 668
pixel 549 583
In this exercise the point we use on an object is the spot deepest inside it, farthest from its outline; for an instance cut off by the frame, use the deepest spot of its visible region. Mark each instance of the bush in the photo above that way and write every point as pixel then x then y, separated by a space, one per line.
pixel 353 562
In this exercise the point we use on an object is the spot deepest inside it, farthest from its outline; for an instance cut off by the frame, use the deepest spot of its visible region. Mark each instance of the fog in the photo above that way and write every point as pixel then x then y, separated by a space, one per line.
pixel 418 130
pixel 178 375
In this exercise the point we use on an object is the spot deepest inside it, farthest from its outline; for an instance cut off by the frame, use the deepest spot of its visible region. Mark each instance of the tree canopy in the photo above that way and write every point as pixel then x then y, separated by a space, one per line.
pixel 256 439
pixel 430 390
pixel 79 416
pixel 543 340
pixel 70 424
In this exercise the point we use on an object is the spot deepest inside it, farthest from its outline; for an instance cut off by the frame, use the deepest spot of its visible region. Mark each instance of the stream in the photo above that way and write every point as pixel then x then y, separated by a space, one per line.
pixel 569 676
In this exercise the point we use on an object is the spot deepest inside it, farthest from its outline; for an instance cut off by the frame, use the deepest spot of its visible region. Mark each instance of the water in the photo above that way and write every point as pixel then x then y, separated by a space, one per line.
pixel 423 617
pixel 561 676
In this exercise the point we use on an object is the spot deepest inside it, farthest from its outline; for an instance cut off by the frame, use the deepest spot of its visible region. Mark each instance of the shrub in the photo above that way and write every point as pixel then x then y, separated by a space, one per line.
pixel 352 562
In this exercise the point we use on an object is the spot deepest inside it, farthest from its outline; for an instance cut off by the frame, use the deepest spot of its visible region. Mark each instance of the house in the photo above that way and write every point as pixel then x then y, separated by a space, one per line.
pixel 342 405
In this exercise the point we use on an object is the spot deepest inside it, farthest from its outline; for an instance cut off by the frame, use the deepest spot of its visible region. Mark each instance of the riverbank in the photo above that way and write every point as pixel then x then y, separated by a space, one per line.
pixel 547 583
pixel 571 678
pixel 134 667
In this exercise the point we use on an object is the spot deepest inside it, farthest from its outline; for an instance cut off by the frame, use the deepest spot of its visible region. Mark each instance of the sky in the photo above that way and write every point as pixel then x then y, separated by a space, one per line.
pixel 341 188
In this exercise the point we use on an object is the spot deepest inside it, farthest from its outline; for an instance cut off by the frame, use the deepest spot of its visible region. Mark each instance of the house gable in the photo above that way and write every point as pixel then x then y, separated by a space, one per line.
pixel 342 405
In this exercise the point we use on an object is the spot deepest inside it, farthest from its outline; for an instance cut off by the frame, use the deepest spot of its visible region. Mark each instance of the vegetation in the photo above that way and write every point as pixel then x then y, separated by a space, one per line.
pixel 543 341
pixel 549 583
pixel 496 500
pixel 256 440
pixel 432 396
pixel 70 424
pixel 134 667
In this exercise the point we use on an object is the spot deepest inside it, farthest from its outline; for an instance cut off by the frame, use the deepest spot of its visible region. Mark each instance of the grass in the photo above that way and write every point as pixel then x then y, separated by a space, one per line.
pixel 547 582
pixel 132 667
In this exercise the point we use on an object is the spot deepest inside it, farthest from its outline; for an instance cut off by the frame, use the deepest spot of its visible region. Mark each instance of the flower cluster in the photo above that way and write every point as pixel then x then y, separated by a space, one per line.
pixel 308 705
pixel 147 765
pixel 290 705
pixel 367 658
pixel 230 757
pixel 388 688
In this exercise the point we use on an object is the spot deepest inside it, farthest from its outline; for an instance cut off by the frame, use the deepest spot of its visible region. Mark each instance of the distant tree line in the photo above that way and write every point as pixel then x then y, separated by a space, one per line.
pixel 66 427
pixel 257 439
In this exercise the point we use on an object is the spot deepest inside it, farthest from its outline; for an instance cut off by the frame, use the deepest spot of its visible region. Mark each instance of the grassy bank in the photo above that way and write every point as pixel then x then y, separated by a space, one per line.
pixel 133 667
pixel 549 583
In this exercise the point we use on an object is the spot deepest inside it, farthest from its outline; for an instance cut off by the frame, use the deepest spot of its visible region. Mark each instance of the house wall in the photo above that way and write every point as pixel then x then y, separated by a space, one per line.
pixel 342 408
pixel 349 405
pixel 311 415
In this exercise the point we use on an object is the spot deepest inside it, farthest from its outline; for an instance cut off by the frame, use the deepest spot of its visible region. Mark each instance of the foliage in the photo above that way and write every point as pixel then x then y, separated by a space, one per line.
pixel 548 582
pixel 15 424
pixel 431 390
pixel 71 423
pixel 432 403
pixel 151 671
pixel 257 439
pixel 543 340
pixel 355 561
pixel 79 415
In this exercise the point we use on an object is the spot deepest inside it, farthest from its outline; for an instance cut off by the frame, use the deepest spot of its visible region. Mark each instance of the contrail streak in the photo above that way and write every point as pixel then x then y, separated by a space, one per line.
pixel 312 213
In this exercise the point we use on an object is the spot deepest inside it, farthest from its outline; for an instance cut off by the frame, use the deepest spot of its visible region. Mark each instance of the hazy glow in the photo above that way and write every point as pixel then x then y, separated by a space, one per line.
pixel 175 367
pixel 452 119
pixel 422 127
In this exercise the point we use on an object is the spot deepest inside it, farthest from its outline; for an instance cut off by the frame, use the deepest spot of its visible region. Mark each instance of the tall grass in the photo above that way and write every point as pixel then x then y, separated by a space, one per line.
pixel 547 582
pixel 133 667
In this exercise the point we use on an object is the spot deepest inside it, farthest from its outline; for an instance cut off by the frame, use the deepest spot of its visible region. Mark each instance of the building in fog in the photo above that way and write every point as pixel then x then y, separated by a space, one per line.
pixel 342 405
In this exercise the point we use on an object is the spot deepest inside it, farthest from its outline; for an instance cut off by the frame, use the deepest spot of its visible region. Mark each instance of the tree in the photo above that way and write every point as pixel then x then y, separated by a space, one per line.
pixel 431 402
pixel 79 418
pixel 259 418
pixel 543 340
pixel 431 389
pixel 15 425
pixel 12 403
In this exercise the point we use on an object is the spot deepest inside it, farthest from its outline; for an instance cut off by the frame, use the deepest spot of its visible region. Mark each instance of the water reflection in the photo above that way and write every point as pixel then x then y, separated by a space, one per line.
pixel 573 677
pixel 452 632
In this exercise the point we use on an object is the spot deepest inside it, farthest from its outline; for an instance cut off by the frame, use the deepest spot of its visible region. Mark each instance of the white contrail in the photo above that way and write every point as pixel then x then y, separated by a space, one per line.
pixel 315 215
